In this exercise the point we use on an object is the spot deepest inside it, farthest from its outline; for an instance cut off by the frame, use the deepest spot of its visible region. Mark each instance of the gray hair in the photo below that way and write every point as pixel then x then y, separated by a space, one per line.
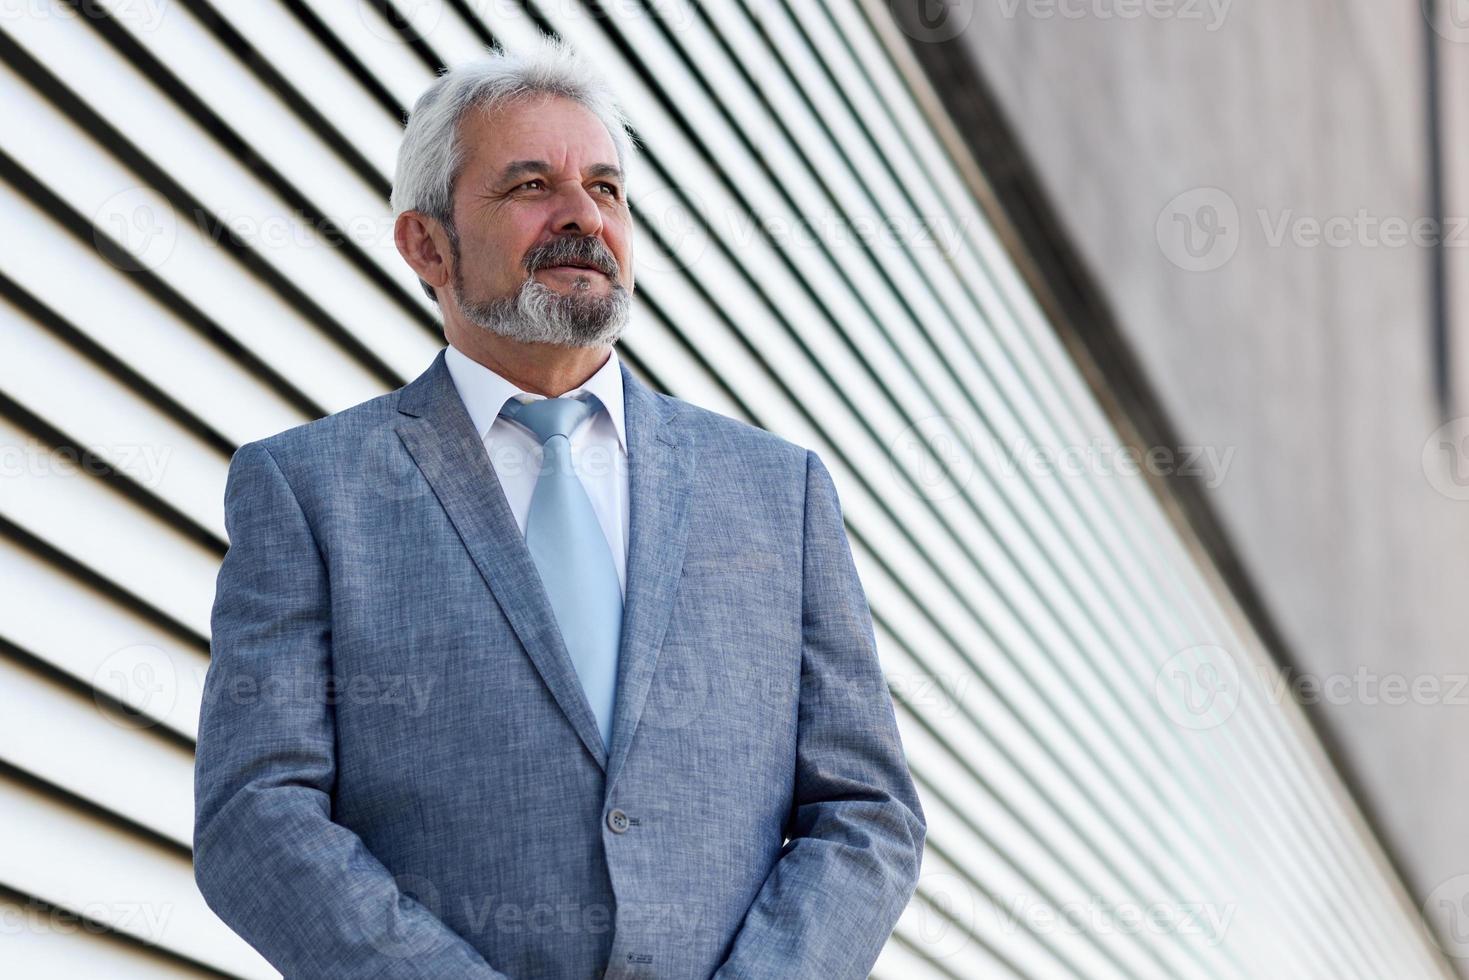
pixel 432 155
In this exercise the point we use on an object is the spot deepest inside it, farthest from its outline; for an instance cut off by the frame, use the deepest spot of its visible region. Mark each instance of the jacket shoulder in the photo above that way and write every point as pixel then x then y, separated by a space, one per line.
pixel 723 432
pixel 319 438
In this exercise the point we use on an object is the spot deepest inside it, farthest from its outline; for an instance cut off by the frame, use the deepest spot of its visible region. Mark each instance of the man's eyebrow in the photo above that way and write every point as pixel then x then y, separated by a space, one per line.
pixel 604 170
pixel 521 167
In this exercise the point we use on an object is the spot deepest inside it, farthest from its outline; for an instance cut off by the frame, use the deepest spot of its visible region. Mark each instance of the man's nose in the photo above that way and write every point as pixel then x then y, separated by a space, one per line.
pixel 576 210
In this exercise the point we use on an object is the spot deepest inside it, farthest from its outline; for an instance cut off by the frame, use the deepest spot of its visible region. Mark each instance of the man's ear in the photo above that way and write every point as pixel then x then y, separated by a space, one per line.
pixel 424 246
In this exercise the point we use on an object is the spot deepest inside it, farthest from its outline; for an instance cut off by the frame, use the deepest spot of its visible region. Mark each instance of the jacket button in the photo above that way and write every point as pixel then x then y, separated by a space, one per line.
pixel 617 821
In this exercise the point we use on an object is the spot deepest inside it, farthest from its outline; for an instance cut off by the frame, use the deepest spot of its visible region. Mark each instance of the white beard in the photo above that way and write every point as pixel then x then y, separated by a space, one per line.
pixel 536 313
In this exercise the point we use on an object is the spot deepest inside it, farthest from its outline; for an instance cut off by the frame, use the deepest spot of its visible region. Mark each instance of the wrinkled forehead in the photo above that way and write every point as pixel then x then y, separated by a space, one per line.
pixel 554 130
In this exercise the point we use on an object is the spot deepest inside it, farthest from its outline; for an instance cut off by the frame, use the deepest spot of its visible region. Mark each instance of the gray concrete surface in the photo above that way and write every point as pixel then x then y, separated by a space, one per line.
pixel 1310 359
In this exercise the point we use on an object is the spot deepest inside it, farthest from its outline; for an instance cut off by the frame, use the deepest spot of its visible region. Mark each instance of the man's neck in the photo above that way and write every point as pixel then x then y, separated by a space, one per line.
pixel 543 369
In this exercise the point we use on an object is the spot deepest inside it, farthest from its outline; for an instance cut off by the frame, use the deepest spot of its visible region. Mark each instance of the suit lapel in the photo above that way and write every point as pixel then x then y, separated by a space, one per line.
pixel 438 434
pixel 437 431
pixel 660 475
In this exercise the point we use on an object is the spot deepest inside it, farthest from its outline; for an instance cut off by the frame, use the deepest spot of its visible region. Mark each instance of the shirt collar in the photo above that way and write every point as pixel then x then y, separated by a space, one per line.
pixel 484 392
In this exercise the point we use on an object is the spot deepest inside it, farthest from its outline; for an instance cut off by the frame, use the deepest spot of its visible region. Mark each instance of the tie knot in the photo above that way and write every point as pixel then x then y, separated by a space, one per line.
pixel 548 417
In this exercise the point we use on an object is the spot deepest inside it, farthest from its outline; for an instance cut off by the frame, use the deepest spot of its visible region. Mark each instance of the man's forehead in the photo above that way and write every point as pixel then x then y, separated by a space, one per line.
pixel 523 128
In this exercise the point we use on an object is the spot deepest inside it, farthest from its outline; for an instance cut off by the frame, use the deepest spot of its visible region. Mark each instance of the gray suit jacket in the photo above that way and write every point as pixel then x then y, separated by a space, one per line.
pixel 398 774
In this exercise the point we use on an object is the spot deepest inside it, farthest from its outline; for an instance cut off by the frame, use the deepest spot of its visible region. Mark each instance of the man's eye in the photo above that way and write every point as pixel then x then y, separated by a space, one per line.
pixel 616 191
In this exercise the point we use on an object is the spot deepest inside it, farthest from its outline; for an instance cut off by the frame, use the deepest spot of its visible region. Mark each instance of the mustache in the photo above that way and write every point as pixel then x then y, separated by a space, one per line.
pixel 564 251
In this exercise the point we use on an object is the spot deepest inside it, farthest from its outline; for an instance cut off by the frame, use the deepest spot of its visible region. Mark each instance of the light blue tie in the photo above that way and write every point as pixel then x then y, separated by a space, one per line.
pixel 570 550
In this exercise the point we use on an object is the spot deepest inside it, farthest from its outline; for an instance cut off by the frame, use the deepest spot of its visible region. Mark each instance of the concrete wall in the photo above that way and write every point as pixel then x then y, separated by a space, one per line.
pixel 1311 362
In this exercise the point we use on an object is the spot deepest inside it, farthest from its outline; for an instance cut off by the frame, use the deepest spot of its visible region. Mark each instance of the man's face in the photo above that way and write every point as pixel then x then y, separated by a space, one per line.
pixel 539 194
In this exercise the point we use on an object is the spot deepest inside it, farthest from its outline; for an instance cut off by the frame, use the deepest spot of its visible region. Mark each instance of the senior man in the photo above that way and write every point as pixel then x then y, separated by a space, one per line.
pixel 650 736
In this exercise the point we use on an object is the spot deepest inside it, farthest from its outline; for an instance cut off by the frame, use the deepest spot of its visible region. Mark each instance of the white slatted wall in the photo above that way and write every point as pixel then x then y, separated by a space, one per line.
pixel 197 252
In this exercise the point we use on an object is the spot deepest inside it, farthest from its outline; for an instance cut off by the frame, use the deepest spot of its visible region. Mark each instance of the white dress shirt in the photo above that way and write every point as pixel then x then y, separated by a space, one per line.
pixel 598 444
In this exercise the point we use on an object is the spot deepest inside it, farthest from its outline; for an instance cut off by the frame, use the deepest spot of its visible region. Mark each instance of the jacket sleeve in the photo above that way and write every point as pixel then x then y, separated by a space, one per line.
pixel 856 828
pixel 302 890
